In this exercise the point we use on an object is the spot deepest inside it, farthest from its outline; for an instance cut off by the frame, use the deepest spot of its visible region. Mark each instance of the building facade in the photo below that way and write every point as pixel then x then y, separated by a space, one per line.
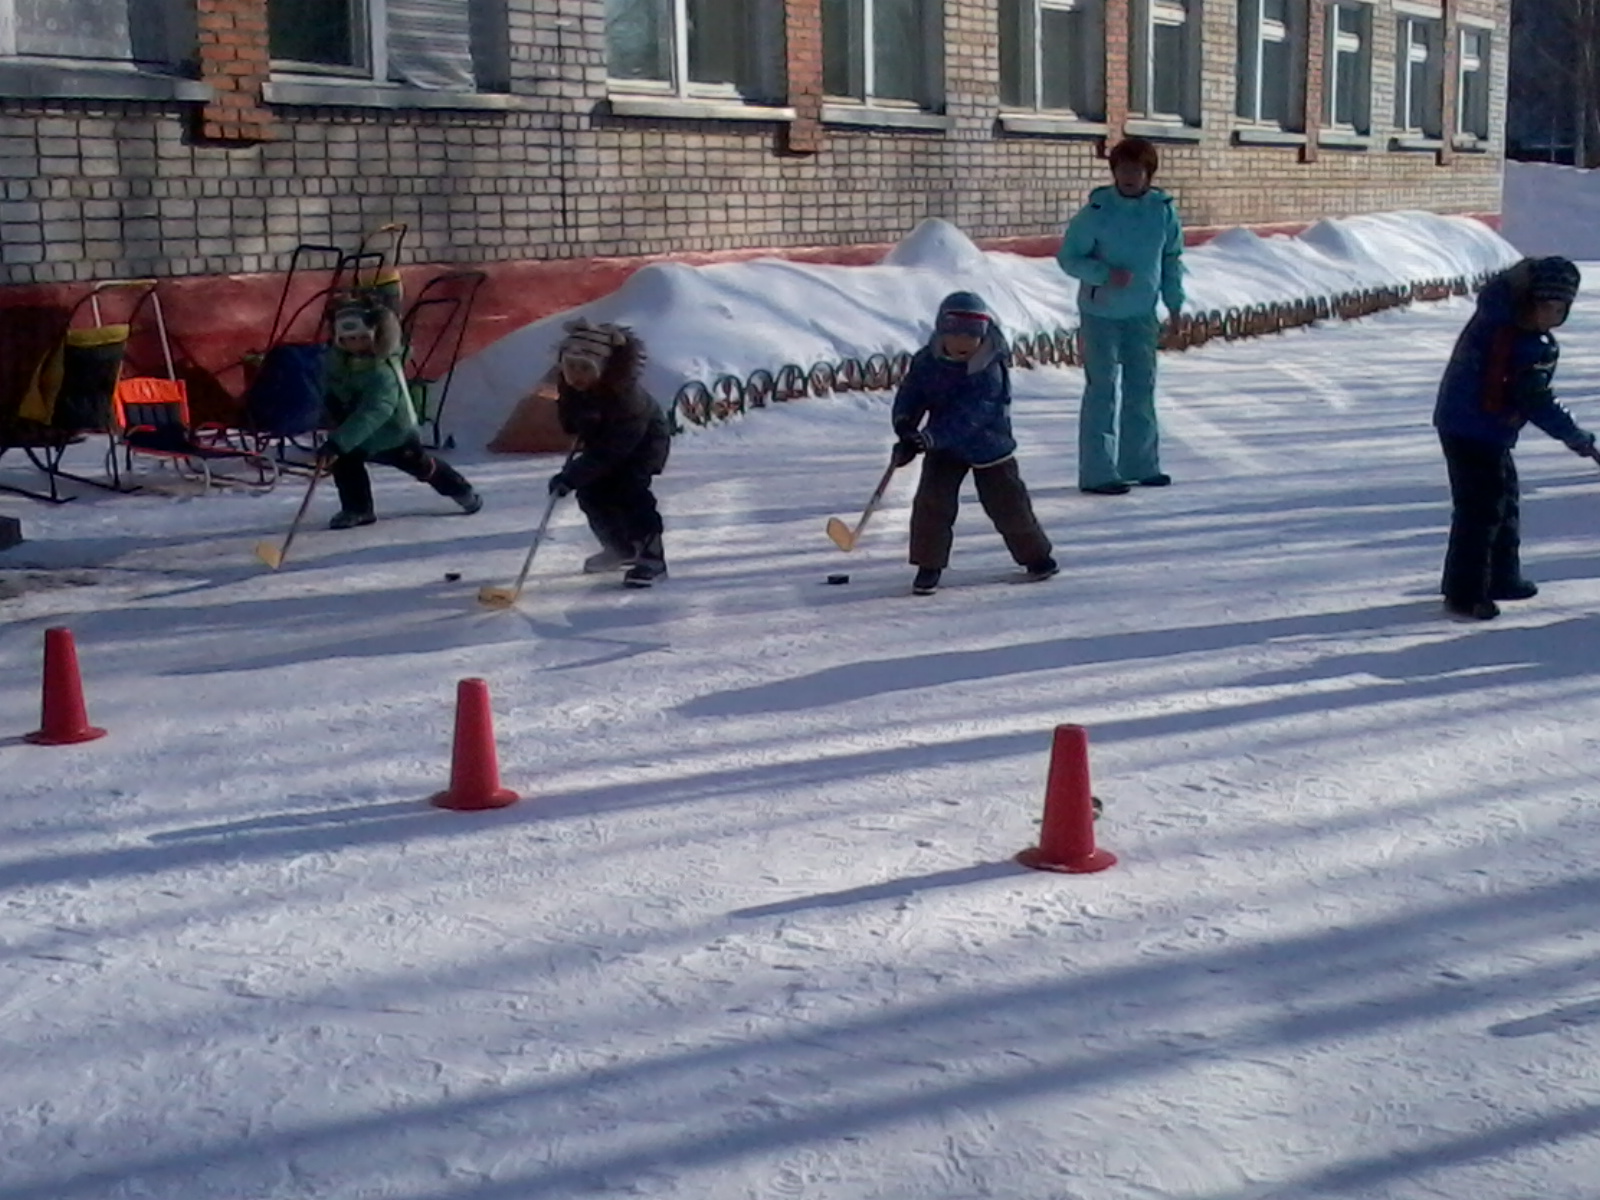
pixel 549 139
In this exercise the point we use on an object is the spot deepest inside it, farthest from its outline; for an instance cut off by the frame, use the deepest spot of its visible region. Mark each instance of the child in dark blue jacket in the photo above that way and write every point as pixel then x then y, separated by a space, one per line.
pixel 1498 380
pixel 960 385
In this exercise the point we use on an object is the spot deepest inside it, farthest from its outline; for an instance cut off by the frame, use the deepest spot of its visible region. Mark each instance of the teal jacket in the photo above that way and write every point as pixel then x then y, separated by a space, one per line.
pixel 366 396
pixel 1141 235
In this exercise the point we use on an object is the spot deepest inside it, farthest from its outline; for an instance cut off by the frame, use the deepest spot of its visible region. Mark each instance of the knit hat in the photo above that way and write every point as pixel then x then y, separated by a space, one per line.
pixel 1553 278
pixel 592 344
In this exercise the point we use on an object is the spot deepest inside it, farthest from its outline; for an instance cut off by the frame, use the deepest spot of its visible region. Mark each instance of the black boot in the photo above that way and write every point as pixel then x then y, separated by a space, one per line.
pixel 1472 610
pixel 1043 569
pixel 346 519
pixel 1517 589
pixel 926 582
pixel 644 573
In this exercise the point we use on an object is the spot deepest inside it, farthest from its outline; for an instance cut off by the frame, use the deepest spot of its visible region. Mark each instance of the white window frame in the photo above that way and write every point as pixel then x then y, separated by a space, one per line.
pixel 1360 44
pixel 1256 32
pixel 1145 15
pixel 1412 59
pixel 8 29
pixel 1480 64
pixel 863 68
pixel 769 15
pixel 1031 27
pixel 369 38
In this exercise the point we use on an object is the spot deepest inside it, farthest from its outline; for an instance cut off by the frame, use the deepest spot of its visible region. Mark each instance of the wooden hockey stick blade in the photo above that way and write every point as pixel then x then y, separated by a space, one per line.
pixel 269 554
pixel 841 534
pixel 498 597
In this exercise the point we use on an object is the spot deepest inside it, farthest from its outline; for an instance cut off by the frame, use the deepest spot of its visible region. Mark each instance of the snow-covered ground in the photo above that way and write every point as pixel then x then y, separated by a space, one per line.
pixel 754 930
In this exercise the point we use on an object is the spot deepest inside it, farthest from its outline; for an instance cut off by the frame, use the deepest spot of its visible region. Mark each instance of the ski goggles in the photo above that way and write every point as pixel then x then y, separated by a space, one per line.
pixel 969 324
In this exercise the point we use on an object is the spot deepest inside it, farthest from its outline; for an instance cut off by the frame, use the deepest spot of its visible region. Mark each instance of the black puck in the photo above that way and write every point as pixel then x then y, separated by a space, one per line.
pixel 452 576
pixel 840 578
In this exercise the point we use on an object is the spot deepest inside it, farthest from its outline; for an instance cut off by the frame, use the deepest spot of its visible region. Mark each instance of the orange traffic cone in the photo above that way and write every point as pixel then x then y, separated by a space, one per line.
pixel 1066 836
pixel 65 721
pixel 474 765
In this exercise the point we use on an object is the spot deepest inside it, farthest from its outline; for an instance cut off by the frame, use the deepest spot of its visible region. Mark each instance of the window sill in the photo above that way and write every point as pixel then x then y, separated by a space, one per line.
pixel 872 117
pixel 1263 135
pixel 1052 125
pixel 1343 139
pixel 47 81
pixel 1471 145
pixel 1416 143
pixel 680 108
pixel 302 93
pixel 1163 131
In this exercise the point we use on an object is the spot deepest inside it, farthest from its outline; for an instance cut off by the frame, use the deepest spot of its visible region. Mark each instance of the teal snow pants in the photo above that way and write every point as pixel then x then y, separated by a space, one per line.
pixel 1118 443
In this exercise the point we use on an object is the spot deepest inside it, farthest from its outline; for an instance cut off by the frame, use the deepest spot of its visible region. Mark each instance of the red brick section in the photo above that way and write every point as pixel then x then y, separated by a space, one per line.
pixel 802 20
pixel 1316 60
pixel 1452 79
pixel 1118 84
pixel 234 60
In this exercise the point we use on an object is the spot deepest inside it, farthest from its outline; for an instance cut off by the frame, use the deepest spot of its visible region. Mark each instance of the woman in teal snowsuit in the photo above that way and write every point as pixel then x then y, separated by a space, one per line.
pixel 1126 246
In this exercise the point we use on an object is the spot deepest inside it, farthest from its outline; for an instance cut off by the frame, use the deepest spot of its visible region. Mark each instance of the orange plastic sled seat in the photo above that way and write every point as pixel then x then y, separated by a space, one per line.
pixel 151 419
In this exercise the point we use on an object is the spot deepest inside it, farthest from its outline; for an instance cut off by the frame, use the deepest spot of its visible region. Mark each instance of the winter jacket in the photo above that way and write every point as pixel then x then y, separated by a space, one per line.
pixel 618 425
pixel 967 404
pixel 1141 235
pixel 1499 377
pixel 366 398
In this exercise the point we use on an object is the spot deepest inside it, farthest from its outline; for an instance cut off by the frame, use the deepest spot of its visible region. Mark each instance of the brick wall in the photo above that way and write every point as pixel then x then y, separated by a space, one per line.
pixel 102 189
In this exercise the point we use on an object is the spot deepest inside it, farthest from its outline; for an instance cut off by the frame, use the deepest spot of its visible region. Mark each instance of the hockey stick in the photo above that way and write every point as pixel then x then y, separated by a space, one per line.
pixel 841 534
pixel 505 597
pixel 272 555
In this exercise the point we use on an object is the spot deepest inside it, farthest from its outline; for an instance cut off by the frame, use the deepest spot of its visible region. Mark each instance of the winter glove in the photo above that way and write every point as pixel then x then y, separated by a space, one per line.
pixel 559 486
pixel 1584 446
pixel 909 446
pixel 327 455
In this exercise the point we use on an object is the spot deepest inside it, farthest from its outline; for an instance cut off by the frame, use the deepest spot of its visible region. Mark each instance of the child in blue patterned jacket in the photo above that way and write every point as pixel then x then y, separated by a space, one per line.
pixel 954 408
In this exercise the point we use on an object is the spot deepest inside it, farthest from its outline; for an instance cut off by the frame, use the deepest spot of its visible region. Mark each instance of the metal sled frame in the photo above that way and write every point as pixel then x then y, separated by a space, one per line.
pixel 446 301
pixel 47 447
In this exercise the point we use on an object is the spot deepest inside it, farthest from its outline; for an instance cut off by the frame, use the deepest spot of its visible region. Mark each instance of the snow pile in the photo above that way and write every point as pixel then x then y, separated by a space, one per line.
pixel 1553 210
pixel 733 318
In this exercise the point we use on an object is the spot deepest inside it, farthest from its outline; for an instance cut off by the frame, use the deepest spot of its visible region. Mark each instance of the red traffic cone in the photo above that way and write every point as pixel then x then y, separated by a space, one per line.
pixel 66 722
pixel 474 765
pixel 1066 836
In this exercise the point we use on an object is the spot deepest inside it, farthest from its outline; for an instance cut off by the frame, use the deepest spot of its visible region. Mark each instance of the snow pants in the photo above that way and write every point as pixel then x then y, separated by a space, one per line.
pixel 1485 551
pixel 355 488
pixel 622 512
pixel 1001 492
pixel 1118 442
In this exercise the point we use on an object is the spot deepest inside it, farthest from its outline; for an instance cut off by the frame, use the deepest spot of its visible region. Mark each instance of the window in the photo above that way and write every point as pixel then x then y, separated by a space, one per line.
pixel 1419 78
pixel 881 50
pixel 1272 62
pixel 1472 96
pixel 133 33
pixel 442 45
pixel 1053 56
pixel 731 49
pixel 1347 73
pixel 1165 75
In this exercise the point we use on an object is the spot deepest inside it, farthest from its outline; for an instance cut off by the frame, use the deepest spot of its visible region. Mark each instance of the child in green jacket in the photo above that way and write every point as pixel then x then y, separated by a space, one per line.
pixel 1126 248
pixel 369 405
